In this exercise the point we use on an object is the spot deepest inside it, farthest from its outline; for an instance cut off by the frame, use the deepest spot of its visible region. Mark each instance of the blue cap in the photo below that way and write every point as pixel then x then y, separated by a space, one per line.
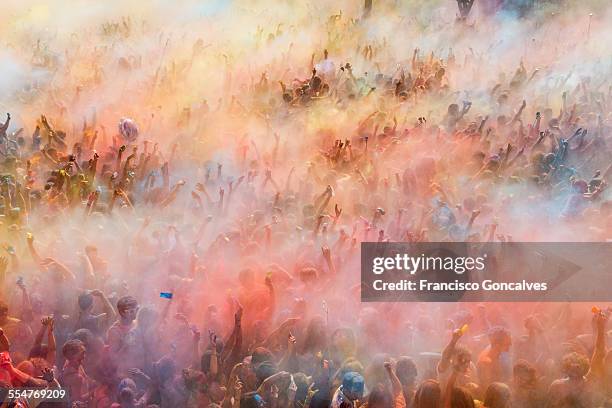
pixel 353 384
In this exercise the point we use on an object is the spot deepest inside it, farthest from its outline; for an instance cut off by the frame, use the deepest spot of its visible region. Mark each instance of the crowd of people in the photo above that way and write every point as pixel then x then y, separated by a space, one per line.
pixel 163 251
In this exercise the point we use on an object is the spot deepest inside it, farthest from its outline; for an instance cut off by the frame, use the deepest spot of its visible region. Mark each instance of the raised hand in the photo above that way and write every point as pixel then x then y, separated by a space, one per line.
pixel 212 338
pixel 238 314
pixel 47 375
pixel 97 293
pixel 326 252
pixel 390 365
pixel 291 343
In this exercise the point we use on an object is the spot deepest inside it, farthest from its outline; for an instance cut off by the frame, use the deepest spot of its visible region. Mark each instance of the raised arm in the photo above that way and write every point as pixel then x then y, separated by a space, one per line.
pixel 5 344
pixel 599 353
pixel 5 126
pixel 40 334
pixel 235 341
pixel 109 310
pixel 51 346
pixel 33 251
pixel 214 362
pixel 447 353
pixel 396 385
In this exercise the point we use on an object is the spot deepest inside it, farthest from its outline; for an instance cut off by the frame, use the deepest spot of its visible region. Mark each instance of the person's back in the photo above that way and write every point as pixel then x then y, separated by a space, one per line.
pixel 493 363
pixel 461 398
pixel 122 337
pixel 89 322
pixel 497 396
pixel 428 395
pixel 17 332
pixel 575 388
pixel 349 392
pixel 380 397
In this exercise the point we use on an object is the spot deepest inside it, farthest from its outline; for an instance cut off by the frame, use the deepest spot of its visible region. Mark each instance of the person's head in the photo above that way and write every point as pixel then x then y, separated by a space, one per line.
pixel 74 351
pixel 575 365
pixel 353 385
pixel 375 371
pixel 406 371
pixel 165 369
pixel 461 398
pixel 264 370
pixel 194 379
pixel 461 359
pixel 127 307
pixel 85 335
pixel 343 343
pixel 261 354
pixel 127 383
pixel 580 186
pixel 428 395
pixel 497 396
pixel 91 251
pixel 379 397
pixel 351 364
pixel 524 374
pixel 315 338
pixel 146 317
pixel 453 109
pixel 85 302
pixel 500 339
pixel 308 275
pixel 126 397
pixel 302 382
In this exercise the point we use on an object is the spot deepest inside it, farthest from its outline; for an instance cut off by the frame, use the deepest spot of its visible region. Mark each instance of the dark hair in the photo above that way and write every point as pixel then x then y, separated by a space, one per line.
pixel 428 395
pixel 126 395
pixel 265 370
pixel 575 361
pixel 497 395
pixel 85 335
pixel 461 398
pixel 261 354
pixel 524 369
pixel 497 334
pixel 165 369
pixel 126 302
pixel 85 301
pixel 461 351
pixel 315 338
pixel 379 396
pixel 302 382
pixel 72 347
pixel 406 370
